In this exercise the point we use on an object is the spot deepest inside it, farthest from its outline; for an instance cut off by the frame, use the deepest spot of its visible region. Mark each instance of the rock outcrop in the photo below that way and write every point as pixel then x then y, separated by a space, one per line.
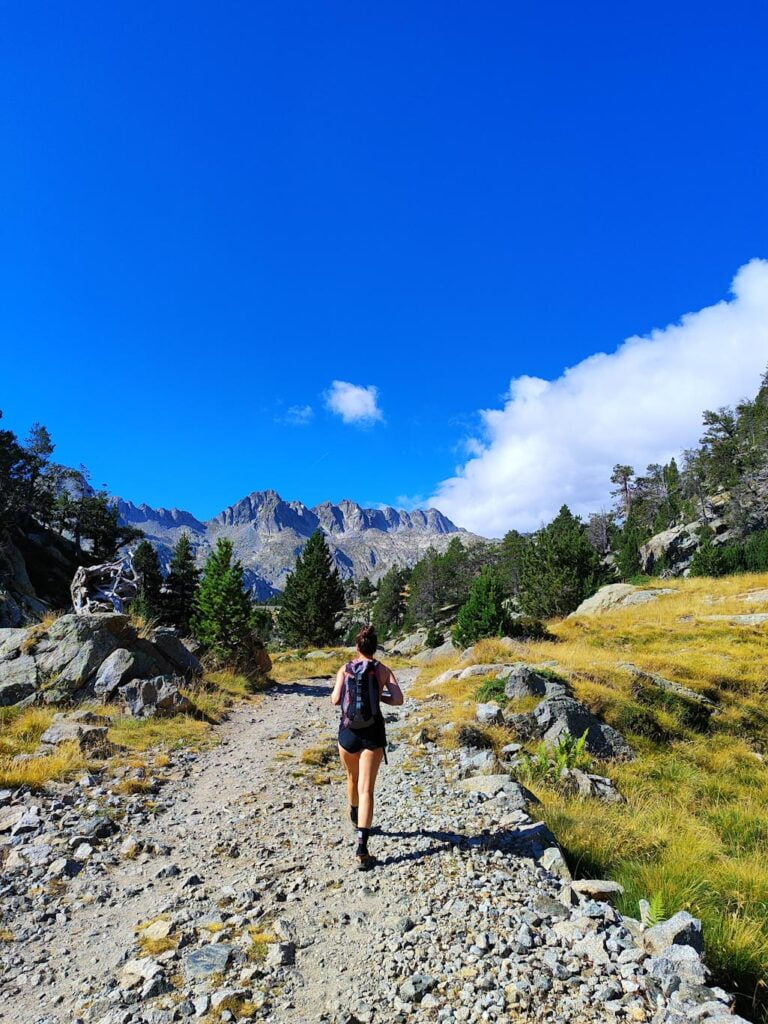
pixel 557 713
pixel 79 656
pixel 618 595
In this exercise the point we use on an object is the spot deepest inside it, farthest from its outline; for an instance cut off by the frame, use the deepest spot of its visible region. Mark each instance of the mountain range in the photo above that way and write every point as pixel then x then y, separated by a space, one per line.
pixel 268 533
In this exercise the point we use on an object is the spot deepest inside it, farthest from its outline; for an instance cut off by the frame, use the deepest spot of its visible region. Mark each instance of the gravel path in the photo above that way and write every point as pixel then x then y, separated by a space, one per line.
pixel 246 856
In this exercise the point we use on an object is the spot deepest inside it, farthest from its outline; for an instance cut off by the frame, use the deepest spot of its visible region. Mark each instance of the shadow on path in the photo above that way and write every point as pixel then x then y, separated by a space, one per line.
pixel 509 840
pixel 314 687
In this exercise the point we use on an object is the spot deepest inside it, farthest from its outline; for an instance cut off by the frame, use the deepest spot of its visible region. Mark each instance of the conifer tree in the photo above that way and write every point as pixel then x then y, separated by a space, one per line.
pixel 628 548
pixel 559 568
pixel 389 610
pixel 222 612
pixel 313 597
pixel 181 585
pixel 146 565
pixel 483 614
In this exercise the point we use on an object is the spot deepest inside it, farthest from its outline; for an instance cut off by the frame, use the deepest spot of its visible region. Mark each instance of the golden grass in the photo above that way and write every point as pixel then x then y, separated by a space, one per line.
pixel 694 829
pixel 322 755
pixel 6 935
pixel 291 665
pixel 260 939
pixel 128 787
pixel 21 729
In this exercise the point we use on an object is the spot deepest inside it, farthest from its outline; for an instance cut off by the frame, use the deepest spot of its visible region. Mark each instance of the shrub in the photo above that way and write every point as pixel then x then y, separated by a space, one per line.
pixel 434 638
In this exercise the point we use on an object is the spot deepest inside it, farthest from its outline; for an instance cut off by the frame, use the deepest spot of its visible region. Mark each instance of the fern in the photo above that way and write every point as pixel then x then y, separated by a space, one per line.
pixel 657 911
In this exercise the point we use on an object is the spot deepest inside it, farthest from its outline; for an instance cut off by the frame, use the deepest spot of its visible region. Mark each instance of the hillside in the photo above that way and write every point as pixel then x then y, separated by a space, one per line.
pixel 682 677
pixel 268 533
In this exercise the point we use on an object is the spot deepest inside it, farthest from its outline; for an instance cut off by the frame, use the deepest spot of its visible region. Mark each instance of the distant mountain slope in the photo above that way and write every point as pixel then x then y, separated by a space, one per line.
pixel 268 533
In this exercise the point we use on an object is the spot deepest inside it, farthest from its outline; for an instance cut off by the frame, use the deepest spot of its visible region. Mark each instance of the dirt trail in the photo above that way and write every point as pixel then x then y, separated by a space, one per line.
pixel 239 818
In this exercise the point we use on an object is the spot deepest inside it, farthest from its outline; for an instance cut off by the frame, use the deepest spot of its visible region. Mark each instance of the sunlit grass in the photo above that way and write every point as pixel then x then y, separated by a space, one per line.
pixel 694 828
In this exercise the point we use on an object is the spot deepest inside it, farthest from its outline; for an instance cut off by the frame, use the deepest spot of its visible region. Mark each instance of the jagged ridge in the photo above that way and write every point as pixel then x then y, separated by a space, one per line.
pixel 268 533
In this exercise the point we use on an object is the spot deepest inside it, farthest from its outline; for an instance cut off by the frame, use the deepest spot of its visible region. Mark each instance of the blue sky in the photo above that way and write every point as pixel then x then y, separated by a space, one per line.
pixel 212 213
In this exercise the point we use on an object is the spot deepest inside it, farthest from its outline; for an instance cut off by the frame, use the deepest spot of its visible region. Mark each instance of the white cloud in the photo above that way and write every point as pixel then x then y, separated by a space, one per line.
pixel 354 403
pixel 556 442
pixel 299 415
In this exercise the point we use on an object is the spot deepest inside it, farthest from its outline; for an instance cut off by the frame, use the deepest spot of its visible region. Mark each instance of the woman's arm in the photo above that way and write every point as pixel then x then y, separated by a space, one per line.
pixel 389 690
pixel 336 695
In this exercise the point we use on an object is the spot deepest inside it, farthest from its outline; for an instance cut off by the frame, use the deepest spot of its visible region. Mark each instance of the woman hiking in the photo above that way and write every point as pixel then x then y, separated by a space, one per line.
pixel 362 685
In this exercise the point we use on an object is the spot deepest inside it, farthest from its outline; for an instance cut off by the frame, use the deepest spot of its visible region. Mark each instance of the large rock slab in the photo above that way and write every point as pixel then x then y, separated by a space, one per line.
pixel 618 595
pixel 559 715
pixel 675 548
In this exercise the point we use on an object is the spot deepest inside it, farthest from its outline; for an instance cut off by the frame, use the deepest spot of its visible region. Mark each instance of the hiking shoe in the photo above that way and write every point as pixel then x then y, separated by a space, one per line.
pixel 365 861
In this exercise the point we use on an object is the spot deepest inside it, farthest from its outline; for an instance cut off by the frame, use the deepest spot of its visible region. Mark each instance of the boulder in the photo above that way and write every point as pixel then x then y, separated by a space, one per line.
pixel 477 762
pixel 558 715
pixel 674 548
pixel 675 965
pixel 618 595
pixel 75 646
pixel 489 714
pixel 115 671
pixel 158 696
pixel 575 782
pixel 444 677
pixel 207 960
pixel 481 670
pixel 89 731
pixel 430 656
pixel 524 725
pixel 524 681
pixel 493 785
pixel 598 889
pixel 19 679
pixel 184 662
pixel 680 930
pixel 552 860
pixel 410 644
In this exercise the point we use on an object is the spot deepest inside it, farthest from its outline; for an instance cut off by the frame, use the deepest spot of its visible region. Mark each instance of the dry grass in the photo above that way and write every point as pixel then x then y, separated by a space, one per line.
pixel 694 829
pixel 6 935
pixel 292 665
pixel 322 755
pixel 260 939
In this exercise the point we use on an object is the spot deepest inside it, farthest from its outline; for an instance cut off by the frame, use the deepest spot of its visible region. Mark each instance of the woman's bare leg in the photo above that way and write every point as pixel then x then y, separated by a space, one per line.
pixel 351 763
pixel 366 783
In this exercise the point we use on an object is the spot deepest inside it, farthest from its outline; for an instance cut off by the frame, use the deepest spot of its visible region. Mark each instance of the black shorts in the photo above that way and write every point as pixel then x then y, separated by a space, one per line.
pixel 371 738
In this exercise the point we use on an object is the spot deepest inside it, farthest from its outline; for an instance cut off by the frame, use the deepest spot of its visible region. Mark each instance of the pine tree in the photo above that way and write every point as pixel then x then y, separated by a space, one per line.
pixel 181 585
pixel 389 610
pixel 628 548
pixel 483 614
pixel 559 568
pixel 313 597
pixel 146 565
pixel 222 613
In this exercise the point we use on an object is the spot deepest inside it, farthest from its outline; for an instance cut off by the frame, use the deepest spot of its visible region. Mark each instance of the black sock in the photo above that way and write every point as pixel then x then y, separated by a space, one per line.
pixel 353 814
pixel 362 840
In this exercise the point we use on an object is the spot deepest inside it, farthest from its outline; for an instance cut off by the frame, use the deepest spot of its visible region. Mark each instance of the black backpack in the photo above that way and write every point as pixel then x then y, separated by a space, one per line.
pixel 360 704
